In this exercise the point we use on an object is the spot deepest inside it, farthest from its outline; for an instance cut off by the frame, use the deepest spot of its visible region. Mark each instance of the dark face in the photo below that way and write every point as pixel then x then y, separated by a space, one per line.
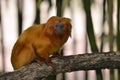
pixel 59 27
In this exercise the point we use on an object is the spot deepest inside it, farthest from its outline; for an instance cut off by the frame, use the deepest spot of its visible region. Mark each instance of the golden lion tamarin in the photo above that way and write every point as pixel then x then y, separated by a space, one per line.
pixel 40 41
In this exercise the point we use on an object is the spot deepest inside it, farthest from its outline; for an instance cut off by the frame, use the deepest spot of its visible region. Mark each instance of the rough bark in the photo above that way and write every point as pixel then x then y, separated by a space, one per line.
pixel 88 61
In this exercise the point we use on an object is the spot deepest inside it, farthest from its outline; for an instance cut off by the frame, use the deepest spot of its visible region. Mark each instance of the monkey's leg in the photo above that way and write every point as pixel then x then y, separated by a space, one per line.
pixel 23 57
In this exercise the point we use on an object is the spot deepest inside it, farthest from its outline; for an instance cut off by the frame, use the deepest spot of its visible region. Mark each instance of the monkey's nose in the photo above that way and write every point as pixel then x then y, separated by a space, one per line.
pixel 59 25
pixel 59 28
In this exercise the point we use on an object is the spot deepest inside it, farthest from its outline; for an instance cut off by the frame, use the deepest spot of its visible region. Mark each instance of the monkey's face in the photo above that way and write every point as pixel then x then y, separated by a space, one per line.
pixel 58 26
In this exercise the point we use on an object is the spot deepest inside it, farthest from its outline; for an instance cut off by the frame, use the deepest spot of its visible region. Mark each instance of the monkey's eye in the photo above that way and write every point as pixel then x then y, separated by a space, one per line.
pixel 59 25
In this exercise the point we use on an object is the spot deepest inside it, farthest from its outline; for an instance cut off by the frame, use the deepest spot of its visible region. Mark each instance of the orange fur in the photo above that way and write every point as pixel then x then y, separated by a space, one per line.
pixel 39 42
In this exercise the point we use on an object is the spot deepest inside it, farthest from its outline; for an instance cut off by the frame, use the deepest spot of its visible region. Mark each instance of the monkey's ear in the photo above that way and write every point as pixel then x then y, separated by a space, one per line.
pixel 53 18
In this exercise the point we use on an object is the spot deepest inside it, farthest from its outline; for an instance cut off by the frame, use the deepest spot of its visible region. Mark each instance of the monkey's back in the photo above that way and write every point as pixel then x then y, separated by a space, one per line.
pixel 23 52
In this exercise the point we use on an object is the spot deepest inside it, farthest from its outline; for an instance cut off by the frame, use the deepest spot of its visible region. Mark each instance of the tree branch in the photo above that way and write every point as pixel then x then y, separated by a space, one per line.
pixel 34 71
